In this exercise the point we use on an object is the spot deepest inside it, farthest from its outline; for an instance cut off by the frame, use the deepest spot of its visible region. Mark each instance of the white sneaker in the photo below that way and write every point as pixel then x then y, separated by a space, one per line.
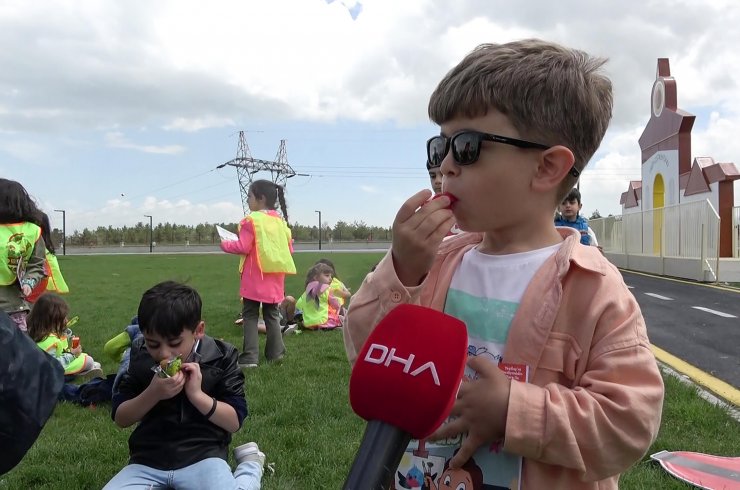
pixel 91 374
pixel 289 329
pixel 249 452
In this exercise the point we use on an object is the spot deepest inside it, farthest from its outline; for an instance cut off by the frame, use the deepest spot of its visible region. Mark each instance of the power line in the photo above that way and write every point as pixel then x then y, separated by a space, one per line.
pixel 173 184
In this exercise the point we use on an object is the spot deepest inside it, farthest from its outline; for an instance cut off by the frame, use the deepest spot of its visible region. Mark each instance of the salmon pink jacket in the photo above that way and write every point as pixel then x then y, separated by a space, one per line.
pixel 593 403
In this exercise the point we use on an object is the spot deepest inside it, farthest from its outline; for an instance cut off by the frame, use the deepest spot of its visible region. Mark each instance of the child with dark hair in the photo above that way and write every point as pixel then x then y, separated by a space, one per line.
pixel 319 306
pixel 570 216
pixel 22 251
pixel 266 247
pixel 185 416
pixel 337 287
pixel 47 326
pixel 435 177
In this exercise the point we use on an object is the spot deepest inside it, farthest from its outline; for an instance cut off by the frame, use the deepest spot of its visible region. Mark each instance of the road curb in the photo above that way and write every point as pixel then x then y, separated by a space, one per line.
pixel 723 390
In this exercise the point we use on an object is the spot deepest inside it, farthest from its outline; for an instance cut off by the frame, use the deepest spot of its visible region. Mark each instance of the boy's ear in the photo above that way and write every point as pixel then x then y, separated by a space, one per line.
pixel 200 330
pixel 554 165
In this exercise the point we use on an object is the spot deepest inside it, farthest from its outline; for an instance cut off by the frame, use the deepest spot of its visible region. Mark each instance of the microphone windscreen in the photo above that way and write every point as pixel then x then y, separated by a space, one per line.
pixel 409 369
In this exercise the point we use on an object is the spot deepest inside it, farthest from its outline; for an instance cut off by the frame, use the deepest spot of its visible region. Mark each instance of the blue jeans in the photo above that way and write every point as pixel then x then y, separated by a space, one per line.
pixel 210 473
pixel 122 368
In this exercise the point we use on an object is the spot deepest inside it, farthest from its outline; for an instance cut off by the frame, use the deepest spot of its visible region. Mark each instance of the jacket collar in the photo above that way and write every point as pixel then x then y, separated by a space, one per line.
pixel 209 350
pixel 588 258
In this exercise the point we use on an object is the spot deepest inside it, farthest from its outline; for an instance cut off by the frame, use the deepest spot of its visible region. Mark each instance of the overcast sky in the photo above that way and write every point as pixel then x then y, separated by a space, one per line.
pixel 113 110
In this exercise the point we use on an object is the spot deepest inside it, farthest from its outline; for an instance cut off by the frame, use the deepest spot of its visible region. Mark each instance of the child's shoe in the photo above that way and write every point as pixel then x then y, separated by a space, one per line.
pixel 93 373
pixel 289 329
pixel 249 452
pixel 244 361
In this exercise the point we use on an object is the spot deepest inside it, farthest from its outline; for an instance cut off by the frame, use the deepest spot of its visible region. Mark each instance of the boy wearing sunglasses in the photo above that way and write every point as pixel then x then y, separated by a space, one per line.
pixel 518 123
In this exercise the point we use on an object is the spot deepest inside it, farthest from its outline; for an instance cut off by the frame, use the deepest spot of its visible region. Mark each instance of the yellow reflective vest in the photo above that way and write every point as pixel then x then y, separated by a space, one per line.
pixel 271 242
pixel 56 280
pixel 58 346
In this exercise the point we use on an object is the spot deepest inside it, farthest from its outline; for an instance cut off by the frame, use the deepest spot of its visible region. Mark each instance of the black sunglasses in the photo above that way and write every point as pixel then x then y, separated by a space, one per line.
pixel 466 147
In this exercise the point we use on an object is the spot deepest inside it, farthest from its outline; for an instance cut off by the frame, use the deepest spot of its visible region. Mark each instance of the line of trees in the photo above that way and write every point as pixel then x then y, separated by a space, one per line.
pixel 205 234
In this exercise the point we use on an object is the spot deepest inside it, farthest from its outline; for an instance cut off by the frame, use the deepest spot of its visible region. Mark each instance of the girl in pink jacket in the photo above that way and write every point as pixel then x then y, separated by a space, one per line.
pixel 265 245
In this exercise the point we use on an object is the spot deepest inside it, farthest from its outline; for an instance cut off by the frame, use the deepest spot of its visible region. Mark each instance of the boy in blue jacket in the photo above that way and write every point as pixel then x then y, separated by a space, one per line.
pixel 570 216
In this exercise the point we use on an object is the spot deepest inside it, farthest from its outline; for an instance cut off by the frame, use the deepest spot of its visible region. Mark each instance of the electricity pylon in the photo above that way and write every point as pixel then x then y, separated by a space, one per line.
pixel 246 166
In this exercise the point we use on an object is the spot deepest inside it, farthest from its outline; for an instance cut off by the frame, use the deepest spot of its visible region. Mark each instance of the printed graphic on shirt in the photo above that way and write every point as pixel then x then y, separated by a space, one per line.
pixel 16 249
pixel 487 319
pixel 485 293
pixel 426 465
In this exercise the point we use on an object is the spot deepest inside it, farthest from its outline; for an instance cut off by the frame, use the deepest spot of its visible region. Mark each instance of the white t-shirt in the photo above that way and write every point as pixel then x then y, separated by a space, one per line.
pixel 485 293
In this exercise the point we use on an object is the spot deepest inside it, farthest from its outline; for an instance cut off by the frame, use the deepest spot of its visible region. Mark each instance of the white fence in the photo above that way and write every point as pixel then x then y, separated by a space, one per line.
pixel 684 231
pixel 736 232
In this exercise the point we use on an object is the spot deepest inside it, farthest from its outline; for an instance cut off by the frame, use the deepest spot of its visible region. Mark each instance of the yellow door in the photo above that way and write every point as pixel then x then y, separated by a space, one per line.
pixel 658 203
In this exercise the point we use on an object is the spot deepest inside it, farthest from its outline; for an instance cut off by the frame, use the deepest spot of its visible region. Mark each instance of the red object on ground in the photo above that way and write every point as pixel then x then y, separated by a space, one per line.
pixel 702 470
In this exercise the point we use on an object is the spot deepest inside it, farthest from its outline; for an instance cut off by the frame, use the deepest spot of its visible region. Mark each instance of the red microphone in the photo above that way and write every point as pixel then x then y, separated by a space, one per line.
pixel 404 384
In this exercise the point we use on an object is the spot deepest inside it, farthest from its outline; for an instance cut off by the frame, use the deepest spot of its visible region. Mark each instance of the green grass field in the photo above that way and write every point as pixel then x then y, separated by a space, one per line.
pixel 299 412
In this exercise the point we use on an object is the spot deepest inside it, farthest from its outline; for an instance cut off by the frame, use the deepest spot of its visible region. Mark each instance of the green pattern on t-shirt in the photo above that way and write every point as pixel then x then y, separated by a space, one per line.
pixel 488 320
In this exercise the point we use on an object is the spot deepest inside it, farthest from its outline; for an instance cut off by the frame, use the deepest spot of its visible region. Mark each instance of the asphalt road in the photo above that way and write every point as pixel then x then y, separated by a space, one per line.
pixel 694 322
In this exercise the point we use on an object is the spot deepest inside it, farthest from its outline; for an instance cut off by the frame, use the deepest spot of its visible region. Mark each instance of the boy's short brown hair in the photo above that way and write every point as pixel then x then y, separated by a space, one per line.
pixel 551 94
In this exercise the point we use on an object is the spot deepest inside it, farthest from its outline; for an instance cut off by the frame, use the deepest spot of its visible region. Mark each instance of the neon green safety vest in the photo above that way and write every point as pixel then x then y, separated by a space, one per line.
pixel 57 347
pixel 271 239
pixel 56 280
pixel 313 315
pixel 337 285
pixel 17 241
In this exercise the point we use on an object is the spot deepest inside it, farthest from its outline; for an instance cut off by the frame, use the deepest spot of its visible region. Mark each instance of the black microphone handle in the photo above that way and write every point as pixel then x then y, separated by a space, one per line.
pixel 378 456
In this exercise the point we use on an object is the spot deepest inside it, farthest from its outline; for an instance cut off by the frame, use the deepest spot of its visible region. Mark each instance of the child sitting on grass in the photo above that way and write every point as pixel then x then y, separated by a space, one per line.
pixel 47 326
pixel 185 417
pixel 318 304
pixel 119 348
pixel 337 287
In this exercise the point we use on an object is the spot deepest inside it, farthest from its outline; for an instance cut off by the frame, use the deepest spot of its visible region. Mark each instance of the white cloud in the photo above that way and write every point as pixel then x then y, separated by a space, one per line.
pixel 81 69
pixel 190 125
pixel 24 150
pixel 192 65
pixel 115 139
